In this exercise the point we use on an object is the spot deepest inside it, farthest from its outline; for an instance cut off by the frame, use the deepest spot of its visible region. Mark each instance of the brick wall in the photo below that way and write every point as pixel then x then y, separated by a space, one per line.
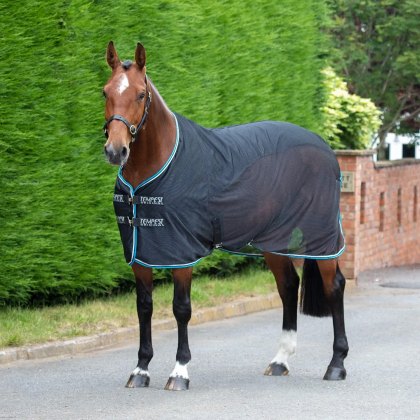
pixel 381 212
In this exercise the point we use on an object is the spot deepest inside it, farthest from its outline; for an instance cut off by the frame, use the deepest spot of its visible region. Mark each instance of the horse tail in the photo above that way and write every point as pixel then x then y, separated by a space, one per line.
pixel 312 297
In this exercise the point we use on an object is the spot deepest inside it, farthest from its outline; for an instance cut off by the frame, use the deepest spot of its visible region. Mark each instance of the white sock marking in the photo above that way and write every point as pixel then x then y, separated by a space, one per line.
pixel 123 83
pixel 287 348
pixel 142 372
pixel 179 371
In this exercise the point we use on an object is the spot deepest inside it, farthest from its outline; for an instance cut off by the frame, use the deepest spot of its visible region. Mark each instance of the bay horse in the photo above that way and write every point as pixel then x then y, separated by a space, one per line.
pixel 183 190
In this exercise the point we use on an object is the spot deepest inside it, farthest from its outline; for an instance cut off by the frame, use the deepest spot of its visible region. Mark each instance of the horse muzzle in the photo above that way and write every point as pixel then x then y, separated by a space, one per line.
pixel 116 156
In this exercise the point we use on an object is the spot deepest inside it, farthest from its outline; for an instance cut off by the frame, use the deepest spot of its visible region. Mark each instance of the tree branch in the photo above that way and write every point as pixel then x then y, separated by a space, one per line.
pixel 410 116
pixel 386 128
pixel 385 86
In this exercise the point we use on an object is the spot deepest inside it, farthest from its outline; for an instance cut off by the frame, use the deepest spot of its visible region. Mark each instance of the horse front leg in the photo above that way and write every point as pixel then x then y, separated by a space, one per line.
pixel 178 379
pixel 333 284
pixel 287 282
pixel 140 377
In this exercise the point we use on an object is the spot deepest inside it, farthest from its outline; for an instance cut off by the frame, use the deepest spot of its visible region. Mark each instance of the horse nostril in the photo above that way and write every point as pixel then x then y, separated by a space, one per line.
pixel 109 150
pixel 124 152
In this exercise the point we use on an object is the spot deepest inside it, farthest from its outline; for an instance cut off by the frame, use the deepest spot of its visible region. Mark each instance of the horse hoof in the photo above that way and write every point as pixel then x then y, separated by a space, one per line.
pixel 177 384
pixel 334 373
pixel 276 369
pixel 138 381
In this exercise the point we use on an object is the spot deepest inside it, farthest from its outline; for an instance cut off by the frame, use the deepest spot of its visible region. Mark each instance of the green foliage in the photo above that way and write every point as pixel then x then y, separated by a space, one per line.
pixel 218 62
pixel 349 120
pixel 377 45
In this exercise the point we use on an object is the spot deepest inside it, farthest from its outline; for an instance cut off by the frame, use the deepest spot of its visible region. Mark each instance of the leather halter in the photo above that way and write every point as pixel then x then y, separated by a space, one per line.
pixel 134 130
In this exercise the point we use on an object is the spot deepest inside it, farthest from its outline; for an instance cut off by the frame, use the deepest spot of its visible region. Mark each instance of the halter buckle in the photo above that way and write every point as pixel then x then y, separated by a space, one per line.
pixel 133 130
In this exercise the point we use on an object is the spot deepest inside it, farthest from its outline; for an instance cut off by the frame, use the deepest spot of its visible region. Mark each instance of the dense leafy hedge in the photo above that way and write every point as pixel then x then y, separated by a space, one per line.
pixel 350 121
pixel 218 62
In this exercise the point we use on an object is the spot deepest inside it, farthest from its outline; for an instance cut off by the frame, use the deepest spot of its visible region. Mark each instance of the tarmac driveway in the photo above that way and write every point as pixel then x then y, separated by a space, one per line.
pixel 229 358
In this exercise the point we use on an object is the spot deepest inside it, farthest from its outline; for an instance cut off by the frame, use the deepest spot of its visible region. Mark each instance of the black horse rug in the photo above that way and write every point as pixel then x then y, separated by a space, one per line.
pixel 270 185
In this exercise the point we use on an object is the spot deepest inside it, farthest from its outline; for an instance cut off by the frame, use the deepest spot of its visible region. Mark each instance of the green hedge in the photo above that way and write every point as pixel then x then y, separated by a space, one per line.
pixel 217 62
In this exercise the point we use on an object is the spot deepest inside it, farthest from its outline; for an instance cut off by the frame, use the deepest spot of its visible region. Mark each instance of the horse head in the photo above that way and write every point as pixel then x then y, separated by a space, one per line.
pixel 127 102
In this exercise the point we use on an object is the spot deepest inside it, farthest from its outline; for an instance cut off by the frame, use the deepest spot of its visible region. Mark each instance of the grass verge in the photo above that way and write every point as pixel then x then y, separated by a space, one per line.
pixel 24 326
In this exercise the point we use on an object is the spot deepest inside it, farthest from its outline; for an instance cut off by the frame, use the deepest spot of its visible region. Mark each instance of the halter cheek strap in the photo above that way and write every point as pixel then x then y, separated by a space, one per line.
pixel 131 127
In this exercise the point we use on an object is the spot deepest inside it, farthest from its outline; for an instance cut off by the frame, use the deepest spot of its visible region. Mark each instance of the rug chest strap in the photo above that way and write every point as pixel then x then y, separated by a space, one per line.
pixel 122 198
pixel 140 222
pixel 131 221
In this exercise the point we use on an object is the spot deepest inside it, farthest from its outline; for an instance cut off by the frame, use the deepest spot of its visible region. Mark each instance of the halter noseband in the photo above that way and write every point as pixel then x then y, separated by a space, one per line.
pixel 131 127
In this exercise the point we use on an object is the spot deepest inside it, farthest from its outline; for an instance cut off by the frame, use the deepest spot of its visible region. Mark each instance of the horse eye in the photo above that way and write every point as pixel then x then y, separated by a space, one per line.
pixel 141 96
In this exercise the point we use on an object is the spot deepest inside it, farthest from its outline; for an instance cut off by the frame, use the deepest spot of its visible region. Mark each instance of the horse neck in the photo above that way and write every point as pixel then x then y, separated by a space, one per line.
pixel 154 144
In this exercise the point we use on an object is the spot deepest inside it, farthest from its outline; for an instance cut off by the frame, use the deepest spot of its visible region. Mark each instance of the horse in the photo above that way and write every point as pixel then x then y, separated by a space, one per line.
pixel 153 148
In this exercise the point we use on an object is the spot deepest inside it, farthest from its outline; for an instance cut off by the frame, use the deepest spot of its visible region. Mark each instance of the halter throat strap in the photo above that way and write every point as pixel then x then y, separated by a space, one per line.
pixel 134 130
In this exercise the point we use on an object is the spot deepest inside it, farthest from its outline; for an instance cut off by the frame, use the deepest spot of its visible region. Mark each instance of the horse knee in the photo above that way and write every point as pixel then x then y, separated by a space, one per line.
pixel 182 309
pixel 144 304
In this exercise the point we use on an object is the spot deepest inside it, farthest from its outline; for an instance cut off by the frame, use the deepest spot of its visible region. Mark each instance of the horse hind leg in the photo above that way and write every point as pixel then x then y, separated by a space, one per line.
pixel 333 285
pixel 287 282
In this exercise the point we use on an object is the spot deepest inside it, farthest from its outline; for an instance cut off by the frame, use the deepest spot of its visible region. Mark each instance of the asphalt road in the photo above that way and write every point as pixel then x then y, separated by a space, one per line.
pixel 229 358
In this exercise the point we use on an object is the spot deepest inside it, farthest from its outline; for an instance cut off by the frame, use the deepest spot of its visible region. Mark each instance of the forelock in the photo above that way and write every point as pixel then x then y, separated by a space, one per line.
pixel 127 64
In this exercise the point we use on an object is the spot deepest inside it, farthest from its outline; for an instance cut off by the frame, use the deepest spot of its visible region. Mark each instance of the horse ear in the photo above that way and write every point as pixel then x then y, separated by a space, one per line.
pixel 112 56
pixel 140 56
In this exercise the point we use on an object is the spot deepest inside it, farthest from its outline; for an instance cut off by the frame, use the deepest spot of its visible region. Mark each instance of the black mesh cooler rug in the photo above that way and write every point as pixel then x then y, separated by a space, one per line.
pixel 270 185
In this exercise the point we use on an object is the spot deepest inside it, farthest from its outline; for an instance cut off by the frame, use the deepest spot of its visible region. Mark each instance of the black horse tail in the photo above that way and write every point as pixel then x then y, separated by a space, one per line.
pixel 312 297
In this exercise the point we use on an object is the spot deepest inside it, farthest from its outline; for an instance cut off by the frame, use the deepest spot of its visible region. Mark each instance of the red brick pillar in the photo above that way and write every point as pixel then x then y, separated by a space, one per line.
pixel 353 200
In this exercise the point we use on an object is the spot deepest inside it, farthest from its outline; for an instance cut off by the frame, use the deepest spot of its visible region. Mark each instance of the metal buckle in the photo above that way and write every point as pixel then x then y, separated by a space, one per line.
pixel 133 130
